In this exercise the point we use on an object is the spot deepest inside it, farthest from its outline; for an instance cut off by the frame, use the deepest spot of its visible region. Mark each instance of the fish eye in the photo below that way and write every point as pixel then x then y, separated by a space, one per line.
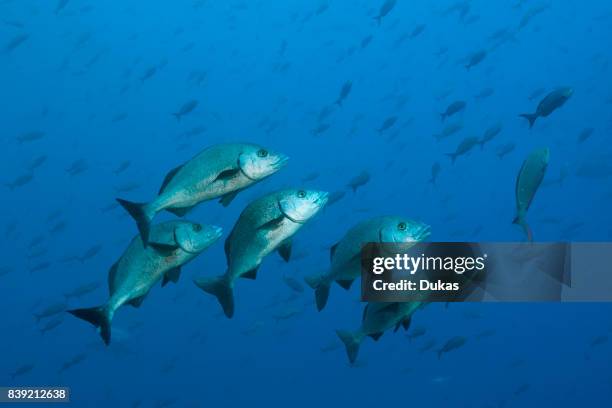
pixel 262 153
pixel 301 194
pixel 401 226
pixel 197 227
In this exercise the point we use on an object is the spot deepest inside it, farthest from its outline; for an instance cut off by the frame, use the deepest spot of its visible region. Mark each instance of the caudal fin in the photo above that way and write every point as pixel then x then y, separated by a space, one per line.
pixel 452 156
pixel 531 117
pixel 141 214
pixel 177 116
pixel 99 317
pixel 221 289
pixel 321 287
pixel 351 343
pixel 525 226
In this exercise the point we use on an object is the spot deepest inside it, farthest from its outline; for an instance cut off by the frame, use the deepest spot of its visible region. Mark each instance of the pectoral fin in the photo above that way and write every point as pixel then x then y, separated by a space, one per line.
pixel 285 250
pixel 272 224
pixel 345 283
pixel 376 336
pixel 228 198
pixel 172 275
pixel 163 249
pixel 252 274
pixel 180 212
pixel 136 302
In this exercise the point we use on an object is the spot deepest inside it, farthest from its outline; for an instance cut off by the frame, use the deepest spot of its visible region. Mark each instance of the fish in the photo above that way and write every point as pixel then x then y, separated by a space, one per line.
pixel 186 109
pixel 335 196
pixel 345 255
pixel 551 102
pixel 61 4
pixel 505 149
pixel 452 109
pixel 490 134
pixel 173 244
pixel 72 362
pixel 585 134
pixel 464 147
pixel 266 225
pixel 416 333
pixel 475 59
pixel 22 370
pixel 449 130
pixel 435 171
pixel 51 310
pixel 484 93
pixel 452 344
pixel 387 124
pixel 528 181
pixel 51 324
pixel 82 290
pixel 123 166
pixel 427 346
pixel 30 136
pixel 220 171
pixel 377 318
pixel 37 162
pixel 293 283
pixel 20 181
pixel 358 181
pixel 13 44
pixel 385 9
pixel 344 92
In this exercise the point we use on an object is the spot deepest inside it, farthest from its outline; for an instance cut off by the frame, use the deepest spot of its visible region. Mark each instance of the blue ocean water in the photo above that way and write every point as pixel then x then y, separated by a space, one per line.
pixel 88 92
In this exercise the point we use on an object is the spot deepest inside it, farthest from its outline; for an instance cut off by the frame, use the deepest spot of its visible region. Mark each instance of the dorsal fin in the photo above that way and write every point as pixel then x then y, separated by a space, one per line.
pixel 169 178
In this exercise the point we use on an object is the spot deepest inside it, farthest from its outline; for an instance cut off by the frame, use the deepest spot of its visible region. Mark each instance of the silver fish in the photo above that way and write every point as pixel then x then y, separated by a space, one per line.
pixel 172 245
pixel 265 225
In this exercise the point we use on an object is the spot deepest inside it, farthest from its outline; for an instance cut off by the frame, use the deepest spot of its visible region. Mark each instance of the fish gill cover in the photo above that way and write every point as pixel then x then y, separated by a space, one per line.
pixel 254 147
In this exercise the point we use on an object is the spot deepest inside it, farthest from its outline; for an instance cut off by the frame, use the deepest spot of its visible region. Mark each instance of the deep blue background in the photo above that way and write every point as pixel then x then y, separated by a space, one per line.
pixel 80 70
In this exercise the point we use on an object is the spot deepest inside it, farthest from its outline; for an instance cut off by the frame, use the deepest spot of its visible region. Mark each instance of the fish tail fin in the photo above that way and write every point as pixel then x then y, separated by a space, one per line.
pixel 531 117
pixel 321 287
pixel 440 352
pixel 221 288
pixel 177 116
pixel 442 116
pixel 432 181
pixel 142 214
pixel 520 221
pixel 378 20
pixel 98 316
pixel 452 156
pixel 351 342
